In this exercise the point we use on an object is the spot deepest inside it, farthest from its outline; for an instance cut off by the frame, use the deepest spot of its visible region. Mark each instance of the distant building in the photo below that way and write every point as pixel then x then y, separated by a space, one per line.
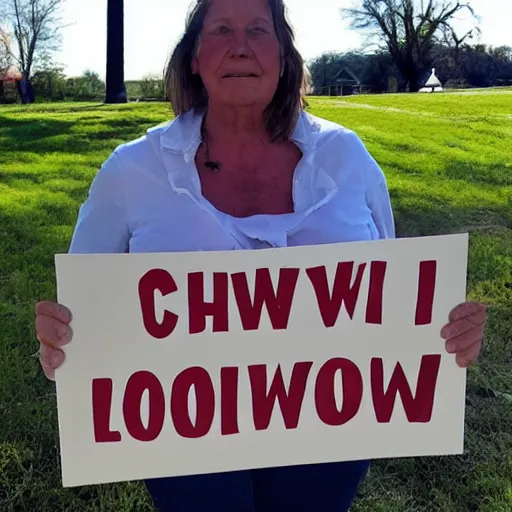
pixel 432 83
pixel 345 83
pixel 9 78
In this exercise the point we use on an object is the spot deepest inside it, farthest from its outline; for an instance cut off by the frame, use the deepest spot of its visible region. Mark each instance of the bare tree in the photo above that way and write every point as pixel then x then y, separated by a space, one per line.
pixel 409 29
pixel 32 27
pixel 5 52
pixel 452 40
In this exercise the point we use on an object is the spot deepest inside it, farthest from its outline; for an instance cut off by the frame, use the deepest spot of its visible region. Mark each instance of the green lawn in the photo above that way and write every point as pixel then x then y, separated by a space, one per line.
pixel 448 159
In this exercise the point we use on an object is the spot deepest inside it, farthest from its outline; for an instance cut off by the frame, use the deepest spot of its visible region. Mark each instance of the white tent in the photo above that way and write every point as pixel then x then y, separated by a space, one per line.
pixel 433 84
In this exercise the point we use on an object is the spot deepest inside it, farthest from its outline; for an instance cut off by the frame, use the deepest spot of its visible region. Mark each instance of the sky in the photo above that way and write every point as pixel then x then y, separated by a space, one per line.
pixel 152 28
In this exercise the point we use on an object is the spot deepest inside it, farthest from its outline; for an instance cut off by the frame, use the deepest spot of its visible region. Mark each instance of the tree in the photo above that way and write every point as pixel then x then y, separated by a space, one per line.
pixel 50 84
pixel 468 66
pixel 152 86
pixel 116 91
pixel 5 52
pixel 29 32
pixel 323 69
pixel 88 87
pixel 373 69
pixel 409 30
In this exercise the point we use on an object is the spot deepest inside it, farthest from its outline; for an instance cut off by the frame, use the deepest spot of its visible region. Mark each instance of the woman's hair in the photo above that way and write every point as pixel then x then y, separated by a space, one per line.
pixel 186 90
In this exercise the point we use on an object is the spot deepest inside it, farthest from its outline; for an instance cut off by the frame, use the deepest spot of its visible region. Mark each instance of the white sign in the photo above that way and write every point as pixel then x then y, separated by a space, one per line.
pixel 194 363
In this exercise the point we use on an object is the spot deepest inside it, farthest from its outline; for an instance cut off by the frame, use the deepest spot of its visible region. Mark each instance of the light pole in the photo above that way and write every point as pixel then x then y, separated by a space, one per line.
pixel 116 91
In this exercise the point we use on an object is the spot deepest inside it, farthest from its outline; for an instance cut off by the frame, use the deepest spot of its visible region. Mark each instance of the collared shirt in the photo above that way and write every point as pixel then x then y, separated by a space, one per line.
pixel 147 196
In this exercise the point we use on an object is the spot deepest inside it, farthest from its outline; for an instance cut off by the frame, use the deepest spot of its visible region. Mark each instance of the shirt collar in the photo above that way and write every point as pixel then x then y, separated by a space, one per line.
pixel 183 134
pixel 313 186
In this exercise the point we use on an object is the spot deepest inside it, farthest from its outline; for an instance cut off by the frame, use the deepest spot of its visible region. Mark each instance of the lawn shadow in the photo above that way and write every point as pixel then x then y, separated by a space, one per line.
pixel 417 215
pixel 9 178
pixel 476 172
pixel 455 167
pixel 14 128
pixel 60 136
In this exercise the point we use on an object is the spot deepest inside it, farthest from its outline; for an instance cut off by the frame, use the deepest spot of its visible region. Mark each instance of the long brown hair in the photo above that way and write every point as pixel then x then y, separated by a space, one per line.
pixel 186 90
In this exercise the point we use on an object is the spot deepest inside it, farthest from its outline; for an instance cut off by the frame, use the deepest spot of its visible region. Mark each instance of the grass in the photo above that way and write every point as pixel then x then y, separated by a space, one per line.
pixel 448 161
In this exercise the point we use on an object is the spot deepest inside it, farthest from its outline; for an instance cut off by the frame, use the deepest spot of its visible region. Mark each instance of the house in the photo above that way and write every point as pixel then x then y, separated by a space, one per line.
pixel 8 82
pixel 345 83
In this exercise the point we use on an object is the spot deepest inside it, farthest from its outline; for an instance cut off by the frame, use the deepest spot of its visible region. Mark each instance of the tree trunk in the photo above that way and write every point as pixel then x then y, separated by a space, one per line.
pixel 25 90
pixel 414 85
pixel 116 91
pixel 413 76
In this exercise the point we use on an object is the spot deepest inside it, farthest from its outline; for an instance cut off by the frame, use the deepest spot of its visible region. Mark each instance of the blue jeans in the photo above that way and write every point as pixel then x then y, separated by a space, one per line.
pixel 310 488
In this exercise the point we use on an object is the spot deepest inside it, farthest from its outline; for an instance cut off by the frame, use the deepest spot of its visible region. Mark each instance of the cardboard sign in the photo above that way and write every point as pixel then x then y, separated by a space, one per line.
pixel 194 363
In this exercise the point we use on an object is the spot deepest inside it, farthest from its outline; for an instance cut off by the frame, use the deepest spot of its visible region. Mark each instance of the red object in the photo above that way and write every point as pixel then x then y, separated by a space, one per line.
pixel 10 74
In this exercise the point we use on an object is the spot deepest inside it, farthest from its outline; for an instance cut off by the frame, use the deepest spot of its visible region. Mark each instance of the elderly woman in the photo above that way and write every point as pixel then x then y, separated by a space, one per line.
pixel 242 166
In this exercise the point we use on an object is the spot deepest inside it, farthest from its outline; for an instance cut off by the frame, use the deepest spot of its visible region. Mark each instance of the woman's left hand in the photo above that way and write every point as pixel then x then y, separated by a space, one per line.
pixel 464 332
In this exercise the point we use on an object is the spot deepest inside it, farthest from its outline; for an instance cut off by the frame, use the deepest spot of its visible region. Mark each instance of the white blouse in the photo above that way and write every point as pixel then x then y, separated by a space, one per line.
pixel 147 196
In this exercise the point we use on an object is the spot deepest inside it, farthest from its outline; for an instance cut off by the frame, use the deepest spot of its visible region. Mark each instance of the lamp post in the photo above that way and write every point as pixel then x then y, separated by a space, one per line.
pixel 116 91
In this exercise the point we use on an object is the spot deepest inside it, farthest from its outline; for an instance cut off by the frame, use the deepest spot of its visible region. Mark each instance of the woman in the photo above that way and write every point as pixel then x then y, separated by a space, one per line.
pixel 241 167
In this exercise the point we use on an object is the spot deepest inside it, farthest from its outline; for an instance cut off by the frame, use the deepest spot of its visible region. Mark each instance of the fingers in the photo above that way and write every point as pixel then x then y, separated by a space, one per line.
pixel 50 359
pixel 466 309
pixel 465 324
pixel 54 310
pixel 52 332
pixel 465 331
pixel 469 355
pixel 464 341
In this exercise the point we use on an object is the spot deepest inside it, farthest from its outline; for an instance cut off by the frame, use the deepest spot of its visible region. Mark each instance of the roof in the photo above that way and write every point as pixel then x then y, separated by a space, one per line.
pixel 9 74
pixel 345 76
pixel 430 79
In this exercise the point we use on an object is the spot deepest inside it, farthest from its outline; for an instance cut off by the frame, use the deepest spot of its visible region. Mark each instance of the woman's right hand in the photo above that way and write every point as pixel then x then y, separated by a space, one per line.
pixel 53 332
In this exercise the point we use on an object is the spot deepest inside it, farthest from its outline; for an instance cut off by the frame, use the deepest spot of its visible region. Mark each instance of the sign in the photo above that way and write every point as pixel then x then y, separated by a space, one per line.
pixel 193 363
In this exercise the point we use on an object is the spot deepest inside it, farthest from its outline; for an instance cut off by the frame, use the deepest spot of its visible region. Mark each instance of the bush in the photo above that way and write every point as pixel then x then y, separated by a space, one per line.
pixel 456 84
pixel 87 87
pixel 49 85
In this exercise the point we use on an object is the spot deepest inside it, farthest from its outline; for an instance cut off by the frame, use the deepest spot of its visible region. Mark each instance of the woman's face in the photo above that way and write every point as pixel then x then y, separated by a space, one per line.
pixel 239 53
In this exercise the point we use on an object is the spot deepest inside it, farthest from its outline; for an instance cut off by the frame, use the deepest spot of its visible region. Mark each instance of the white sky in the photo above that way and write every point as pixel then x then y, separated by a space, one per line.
pixel 152 27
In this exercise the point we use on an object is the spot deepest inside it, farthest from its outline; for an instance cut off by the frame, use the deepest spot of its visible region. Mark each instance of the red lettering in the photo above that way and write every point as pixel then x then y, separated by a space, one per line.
pixel 229 400
pixel 278 304
pixel 137 384
pixel 375 292
pixel 101 406
pixel 161 280
pixel 328 304
pixel 205 402
pixel 426 289
pixel 198 309
pixel 352 389
pixel 418 409
pixel 290 402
